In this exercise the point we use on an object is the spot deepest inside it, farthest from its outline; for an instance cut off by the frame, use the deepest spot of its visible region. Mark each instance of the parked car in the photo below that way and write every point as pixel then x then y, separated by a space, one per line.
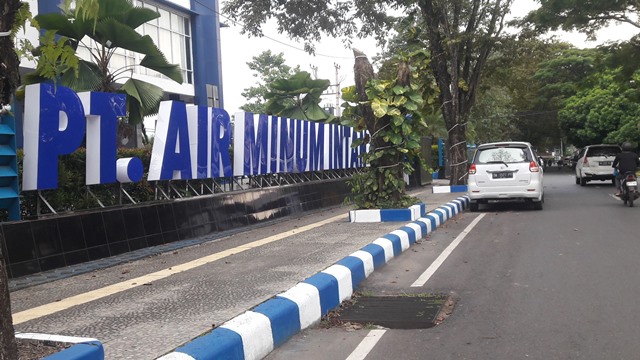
pixel 505 171
pixel 594 163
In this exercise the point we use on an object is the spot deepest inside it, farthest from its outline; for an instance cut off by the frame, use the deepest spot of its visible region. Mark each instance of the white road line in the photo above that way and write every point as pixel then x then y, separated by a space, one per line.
pixel 366 345
pixel 51 308
pixel 436 264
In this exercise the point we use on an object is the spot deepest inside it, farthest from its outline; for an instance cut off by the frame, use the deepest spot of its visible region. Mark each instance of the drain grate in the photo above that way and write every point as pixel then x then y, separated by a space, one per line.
pixel 419 311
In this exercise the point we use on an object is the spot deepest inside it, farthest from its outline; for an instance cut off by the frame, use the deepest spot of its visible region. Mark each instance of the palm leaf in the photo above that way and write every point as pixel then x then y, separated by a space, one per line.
pixel 110 8
pixel 123 36
pixel 143 99
pixel 138 16
pixel 88 77
pixel 125 12
pixel 161 65
pixel 75 29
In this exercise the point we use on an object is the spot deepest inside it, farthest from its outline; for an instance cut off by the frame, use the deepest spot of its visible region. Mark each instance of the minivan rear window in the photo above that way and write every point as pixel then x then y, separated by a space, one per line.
pixel 502 154
pixel 603 151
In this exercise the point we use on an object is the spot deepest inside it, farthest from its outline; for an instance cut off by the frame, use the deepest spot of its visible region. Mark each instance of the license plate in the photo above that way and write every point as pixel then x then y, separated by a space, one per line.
pixel 632 183
pixel 503 175
pixel 605 163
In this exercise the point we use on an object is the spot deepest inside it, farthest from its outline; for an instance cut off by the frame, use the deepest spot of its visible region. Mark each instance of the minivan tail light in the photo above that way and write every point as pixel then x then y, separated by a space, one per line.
pixel 472 169
pixel 533 167
pixel 585 162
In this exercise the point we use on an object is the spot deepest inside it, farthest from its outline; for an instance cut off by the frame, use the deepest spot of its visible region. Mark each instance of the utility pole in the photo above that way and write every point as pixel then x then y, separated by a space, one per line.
pixel 338 112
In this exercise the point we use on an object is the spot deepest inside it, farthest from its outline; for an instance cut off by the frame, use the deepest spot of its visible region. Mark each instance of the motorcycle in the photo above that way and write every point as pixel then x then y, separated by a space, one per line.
pixel 629 187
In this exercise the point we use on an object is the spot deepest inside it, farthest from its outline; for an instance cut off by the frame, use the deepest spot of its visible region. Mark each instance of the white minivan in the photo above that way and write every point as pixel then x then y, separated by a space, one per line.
pixel 594 163
pixel 505 171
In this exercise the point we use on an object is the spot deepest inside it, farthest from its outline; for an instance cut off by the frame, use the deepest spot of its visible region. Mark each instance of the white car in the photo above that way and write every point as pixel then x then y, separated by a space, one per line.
pixel 505 171
pixel 594 163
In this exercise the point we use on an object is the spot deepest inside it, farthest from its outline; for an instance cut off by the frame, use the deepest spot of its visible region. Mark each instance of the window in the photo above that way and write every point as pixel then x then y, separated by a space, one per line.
pixel 171 32
pixel 507 155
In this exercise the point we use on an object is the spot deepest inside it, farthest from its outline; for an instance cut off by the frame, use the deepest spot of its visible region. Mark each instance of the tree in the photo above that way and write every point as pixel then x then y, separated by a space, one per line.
pixel 605 112
pixel 267 68
pixel 460 36
pixel 493 117
pixel 12 18
pixel 104 27
pixel 587 16
pixel 392 106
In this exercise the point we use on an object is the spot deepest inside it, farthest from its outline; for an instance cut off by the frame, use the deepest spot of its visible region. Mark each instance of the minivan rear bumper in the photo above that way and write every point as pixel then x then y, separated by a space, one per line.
pixel 533 191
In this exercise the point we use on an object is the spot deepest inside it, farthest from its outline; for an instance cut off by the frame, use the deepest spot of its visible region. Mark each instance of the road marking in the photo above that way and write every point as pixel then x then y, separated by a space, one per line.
pixel 366 345
pixel 51 308
pixel 443 256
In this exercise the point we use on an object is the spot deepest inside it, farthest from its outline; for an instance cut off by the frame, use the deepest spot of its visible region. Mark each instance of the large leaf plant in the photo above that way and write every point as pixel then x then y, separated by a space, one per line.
pixel 401 97
pixel 298 97
pixel 111 24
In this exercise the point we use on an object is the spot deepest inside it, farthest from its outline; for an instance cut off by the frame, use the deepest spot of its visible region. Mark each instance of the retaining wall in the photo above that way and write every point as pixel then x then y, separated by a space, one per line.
pixel 39 245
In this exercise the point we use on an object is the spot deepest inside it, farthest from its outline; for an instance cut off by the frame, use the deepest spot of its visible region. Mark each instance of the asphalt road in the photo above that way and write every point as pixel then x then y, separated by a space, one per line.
pixel 561 283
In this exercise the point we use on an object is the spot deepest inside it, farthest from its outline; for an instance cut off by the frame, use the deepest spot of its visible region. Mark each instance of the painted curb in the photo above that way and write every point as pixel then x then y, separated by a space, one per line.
pixel 411 213
pixel 255 333
pixel 84 348
pixel 449 189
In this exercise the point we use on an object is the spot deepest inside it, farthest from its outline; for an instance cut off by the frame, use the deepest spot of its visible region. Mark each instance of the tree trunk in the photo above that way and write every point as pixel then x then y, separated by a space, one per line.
pixel 459 53
pixel 9 62
pixel 363 71
pixel 9 81
pixel 8 347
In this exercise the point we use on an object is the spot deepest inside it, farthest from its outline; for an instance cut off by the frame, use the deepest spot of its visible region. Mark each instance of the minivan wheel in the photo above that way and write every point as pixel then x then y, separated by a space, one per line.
pixel 473 206
pixel 583 181
pixel 577 180
pixel 537 205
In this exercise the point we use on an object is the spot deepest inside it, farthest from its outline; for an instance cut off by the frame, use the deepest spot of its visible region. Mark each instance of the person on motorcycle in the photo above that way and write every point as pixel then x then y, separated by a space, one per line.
pixel 626 161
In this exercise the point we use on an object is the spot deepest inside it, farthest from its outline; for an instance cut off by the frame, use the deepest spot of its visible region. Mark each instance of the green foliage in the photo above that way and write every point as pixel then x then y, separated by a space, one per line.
pixel 394 141
pixel 587 16
pixel 71 194
pixel 267 68
pixel 493 118
pixel 607 112
pixel 297 97
pixel 56 57
pixel 307 20
pixel 111 25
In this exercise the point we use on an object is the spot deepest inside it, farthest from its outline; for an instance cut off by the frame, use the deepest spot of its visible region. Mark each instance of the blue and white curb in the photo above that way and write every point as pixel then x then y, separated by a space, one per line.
pixel 382 215
pixel 449 189
pixel 83 348
pixel 255 333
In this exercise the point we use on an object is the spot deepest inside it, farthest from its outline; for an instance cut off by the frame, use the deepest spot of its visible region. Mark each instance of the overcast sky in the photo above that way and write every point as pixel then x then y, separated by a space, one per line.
pixel 238 49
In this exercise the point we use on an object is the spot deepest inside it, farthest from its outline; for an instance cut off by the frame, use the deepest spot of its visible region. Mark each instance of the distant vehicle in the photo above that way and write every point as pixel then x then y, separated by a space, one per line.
pixel 505 171
pixel 574 159
pixel 594 163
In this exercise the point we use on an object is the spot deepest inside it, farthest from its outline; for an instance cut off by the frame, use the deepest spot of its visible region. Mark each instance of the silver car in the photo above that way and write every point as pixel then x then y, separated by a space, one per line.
pixel 505 171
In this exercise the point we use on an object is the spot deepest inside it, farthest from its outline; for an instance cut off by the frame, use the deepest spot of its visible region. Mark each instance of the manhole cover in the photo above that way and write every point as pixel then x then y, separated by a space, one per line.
pixel 419 311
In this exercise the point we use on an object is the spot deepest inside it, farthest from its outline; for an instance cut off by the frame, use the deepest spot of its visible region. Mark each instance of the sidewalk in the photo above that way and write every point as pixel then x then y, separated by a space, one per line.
pixel 255 333
pixel 145 322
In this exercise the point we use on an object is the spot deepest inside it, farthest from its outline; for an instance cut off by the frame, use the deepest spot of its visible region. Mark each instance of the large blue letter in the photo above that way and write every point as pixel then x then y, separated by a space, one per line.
pixel 220 141
pixel 102 111
pixel 255 145
pixel 171 155
pixel 316 147
pixel 54 125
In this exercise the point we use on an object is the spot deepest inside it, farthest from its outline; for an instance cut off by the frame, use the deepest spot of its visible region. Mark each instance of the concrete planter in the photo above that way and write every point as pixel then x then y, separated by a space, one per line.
pixel 82 348
pixel 383 215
